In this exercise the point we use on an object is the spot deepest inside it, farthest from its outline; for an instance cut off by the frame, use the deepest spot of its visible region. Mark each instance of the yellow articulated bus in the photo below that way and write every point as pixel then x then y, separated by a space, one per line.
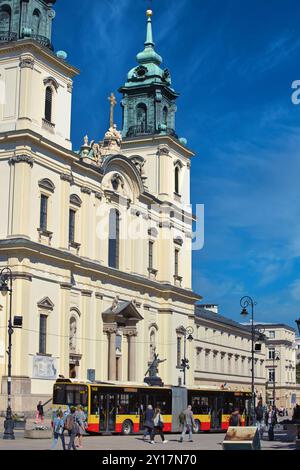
pixel 120 409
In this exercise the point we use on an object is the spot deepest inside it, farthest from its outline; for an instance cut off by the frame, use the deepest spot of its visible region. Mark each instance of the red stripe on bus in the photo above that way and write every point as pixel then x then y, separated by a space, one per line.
pixel 205 426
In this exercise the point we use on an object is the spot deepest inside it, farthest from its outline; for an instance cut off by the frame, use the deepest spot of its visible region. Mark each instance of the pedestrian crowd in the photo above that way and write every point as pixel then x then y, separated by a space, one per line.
pixel 72 422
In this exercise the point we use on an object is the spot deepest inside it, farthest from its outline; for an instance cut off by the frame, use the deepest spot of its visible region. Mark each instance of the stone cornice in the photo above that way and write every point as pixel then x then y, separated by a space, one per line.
pixel 95 269
pixel 66 177
pixel 30 46
pixel 21 159
pixel 165 140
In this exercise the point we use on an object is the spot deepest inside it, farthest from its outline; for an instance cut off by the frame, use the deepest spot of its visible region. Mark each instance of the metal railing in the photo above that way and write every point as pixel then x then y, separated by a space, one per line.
pixel 6 36
pixel 140 130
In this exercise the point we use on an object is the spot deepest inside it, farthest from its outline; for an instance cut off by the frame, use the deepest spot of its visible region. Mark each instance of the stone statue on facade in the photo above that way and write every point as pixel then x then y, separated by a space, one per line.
pixel 154 379
pixel 72 337
pixel 115 304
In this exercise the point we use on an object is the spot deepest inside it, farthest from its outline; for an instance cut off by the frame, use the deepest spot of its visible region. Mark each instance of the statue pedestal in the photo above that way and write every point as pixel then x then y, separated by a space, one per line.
pixel 154 381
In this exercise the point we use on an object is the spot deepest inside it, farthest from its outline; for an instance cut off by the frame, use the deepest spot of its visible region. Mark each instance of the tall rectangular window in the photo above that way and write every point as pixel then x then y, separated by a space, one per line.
pixel 179 351
pixel 271 353
pixel 43 334
pixel 48 104
pixel 271 375
pixel 151 245
pixel 176 266
pixel 72 217
pixel 44 212
pixel 114 239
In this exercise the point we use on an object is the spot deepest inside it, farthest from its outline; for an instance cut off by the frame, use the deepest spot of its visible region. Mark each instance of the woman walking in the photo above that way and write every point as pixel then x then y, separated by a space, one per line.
pixel 158 427
pixel 81 421
pixel 58 430
pixel 149 423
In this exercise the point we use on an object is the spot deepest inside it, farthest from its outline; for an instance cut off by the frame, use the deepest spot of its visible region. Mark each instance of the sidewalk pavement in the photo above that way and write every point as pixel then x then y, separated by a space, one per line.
pixel 211 441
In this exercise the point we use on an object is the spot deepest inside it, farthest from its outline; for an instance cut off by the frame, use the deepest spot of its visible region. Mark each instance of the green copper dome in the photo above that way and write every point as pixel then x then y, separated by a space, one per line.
pixel 149 70
pixel 148 100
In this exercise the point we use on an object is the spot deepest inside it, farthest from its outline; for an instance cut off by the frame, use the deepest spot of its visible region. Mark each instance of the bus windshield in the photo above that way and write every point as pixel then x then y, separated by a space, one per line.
pixel 70 394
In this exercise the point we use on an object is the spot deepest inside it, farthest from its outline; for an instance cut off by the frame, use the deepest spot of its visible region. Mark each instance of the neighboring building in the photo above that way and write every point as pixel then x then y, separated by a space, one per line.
pixel 281 351
pixel 95 302
pixel 223 353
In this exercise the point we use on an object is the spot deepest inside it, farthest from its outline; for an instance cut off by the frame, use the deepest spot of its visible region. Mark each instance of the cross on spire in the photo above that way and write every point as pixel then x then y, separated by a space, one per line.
pixel 113 102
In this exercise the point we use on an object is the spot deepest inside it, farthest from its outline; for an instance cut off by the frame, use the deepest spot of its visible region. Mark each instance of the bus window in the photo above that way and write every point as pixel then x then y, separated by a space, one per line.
pixel 200 405
pixel 59 395
pixel 127 404
pixel 165 405
pixel 94 402
pixel 228 407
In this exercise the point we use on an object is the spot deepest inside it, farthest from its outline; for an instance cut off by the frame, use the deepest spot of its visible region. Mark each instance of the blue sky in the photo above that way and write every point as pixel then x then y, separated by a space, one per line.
pixel 233 62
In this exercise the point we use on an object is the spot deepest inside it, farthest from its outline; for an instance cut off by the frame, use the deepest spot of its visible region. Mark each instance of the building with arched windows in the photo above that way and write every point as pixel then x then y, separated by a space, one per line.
pixel 98 240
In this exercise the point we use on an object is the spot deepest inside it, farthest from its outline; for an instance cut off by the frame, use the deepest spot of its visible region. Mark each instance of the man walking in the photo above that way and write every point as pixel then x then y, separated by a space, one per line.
pixel 187 421
pixel 259 412
pixel 271 421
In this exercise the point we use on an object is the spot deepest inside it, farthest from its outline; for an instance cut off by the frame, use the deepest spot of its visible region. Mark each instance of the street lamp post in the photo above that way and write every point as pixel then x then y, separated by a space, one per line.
pixel 276 357
pixel 248 302
pixel 6 286
pixel 188 335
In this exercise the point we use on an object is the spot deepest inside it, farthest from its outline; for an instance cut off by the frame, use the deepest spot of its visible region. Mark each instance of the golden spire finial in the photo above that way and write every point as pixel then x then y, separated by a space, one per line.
pixel 149 13
pixel 113 102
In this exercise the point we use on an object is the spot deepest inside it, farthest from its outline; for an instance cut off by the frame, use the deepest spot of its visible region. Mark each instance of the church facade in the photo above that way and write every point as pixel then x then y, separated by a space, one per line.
pixel 99 241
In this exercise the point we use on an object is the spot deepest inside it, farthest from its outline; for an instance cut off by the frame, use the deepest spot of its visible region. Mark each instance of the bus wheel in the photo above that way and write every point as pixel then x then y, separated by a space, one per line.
pixel 127 428
pixel 197 426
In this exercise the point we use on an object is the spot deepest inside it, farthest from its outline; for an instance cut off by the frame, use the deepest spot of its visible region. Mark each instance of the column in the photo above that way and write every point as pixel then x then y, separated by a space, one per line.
pixel 65 290
pixel 111 331
pixel 131 334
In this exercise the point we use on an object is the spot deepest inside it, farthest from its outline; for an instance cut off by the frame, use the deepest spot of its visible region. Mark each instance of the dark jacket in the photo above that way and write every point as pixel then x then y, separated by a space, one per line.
pixel 273 418
pixel 149 419
pixel 259 412
pixel 235 419
pixel 40 410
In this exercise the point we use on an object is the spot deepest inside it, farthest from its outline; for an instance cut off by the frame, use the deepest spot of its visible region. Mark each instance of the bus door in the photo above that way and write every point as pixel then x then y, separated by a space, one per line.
pixel 215 405
pixel 143 404
pixel 107 412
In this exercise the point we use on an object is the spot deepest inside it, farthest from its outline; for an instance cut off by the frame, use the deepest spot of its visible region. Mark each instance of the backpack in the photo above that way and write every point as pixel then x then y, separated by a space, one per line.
pixel 234 420
pixel 182 418
pixel 259 413
pixel 69 423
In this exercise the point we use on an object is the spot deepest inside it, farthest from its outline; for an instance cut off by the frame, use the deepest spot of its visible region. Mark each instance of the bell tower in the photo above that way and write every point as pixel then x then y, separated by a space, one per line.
pixel 35 82
pixel 26 19
pixel 149 101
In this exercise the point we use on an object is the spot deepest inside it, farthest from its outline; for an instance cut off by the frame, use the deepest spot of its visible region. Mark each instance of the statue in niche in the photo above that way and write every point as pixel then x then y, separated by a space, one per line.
pixel 72 337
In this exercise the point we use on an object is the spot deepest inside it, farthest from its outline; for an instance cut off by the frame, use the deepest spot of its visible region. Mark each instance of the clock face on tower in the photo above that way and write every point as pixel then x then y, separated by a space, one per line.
pixel 140 71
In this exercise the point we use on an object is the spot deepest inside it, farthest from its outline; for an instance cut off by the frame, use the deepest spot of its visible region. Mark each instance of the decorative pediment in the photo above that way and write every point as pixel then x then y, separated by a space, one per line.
pixel 45 304
pixel 50 81
pixel 75 200
pixel 47 184
pixel 122 313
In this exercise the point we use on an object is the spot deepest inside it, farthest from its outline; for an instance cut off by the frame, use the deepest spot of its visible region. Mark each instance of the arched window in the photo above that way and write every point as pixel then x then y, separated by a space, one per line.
pixel 114 239
pixel 165 116
pixel 36 21
pixel 48 104
pixel 177 174
pixel 5 19
pixel 141 117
